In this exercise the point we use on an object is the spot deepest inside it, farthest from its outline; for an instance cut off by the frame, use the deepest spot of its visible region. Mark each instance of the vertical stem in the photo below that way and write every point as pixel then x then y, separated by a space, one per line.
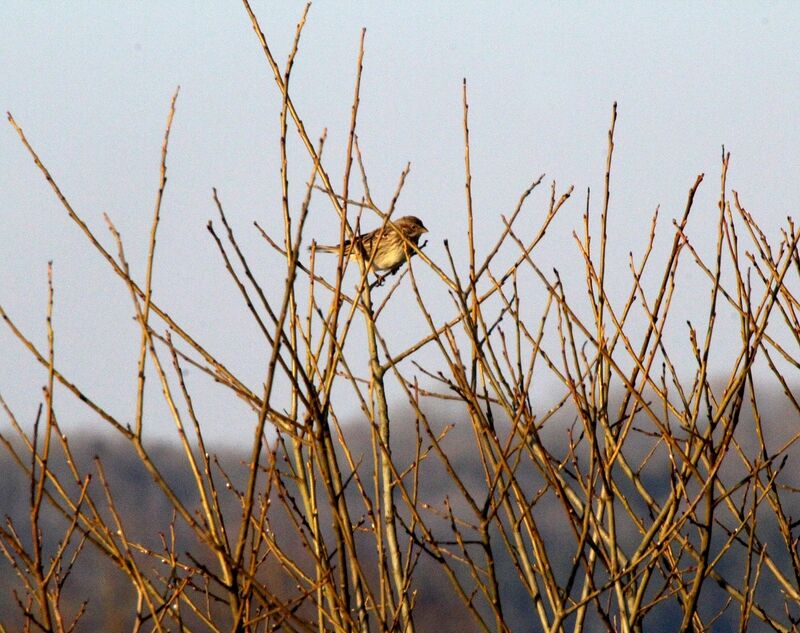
pixel 36 497
pixel 397 571
pixel 470 227
pixel 148 285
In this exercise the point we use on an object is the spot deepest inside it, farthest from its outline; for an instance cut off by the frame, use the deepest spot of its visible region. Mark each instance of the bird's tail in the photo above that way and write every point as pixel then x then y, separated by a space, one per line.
pixel 323 248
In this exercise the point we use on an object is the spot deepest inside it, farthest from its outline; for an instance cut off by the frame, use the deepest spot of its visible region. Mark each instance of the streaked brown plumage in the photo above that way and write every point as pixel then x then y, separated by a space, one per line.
pixel 391 251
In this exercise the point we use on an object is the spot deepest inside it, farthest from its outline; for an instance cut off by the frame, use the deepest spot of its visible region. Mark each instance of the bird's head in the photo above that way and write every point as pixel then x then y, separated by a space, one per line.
pixel 411 225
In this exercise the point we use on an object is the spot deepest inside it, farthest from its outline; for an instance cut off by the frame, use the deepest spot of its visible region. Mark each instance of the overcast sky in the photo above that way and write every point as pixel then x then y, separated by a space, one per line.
pixel 90 83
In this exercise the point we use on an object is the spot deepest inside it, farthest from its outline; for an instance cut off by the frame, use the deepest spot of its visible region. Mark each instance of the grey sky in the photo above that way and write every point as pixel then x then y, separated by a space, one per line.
pixel 90 84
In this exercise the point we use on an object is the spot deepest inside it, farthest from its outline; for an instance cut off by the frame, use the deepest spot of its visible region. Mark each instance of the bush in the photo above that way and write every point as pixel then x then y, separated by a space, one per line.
pixel 633 498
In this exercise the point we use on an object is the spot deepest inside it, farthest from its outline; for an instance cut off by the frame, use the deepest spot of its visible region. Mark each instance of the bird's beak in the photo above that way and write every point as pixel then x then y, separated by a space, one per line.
pixel 424 230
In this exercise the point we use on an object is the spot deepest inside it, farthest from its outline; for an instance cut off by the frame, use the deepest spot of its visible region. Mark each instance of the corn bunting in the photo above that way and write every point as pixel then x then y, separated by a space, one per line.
pixel 384 246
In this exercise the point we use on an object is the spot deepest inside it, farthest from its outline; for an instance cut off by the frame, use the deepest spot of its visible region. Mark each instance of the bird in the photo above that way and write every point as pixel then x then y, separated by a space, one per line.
pixel 390 251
